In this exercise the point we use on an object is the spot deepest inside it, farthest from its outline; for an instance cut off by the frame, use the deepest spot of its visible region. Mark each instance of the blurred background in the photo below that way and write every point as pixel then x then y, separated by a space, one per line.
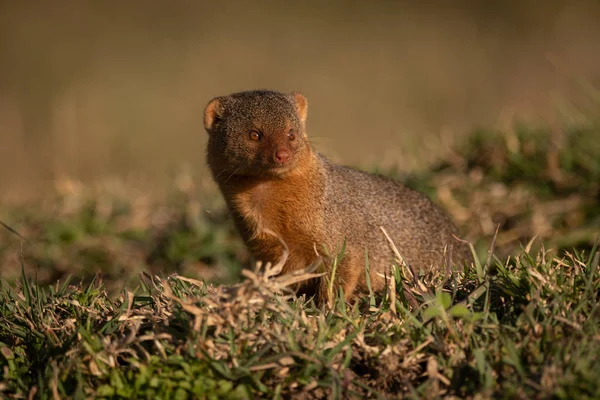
pixel 94 89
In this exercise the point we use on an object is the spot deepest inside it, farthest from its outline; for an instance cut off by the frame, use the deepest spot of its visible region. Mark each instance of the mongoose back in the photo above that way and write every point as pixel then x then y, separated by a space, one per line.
pixel 280 190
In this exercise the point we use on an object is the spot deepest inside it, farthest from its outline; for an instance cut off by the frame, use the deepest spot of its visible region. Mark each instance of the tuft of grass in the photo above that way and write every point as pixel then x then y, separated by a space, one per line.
pixel 175 337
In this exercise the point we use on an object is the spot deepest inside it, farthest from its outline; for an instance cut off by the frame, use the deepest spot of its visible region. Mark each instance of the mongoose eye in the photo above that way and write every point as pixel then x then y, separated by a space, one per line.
pixel 254 135
pixel 291 134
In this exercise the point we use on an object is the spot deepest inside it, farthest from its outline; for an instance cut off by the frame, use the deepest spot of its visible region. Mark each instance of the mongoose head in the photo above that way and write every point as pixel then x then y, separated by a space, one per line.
pixel 256 133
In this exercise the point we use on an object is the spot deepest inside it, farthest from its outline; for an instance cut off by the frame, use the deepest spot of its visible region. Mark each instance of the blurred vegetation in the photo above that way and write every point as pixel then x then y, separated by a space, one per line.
pixel 83 231
pixel 531 182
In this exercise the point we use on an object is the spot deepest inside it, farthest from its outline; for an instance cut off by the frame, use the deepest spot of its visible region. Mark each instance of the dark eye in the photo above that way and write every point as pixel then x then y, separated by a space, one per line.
pixel 254 135
pixel 291 134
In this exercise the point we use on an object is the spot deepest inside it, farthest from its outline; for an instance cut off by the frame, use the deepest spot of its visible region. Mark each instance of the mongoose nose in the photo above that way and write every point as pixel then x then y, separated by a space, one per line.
pixel 281 156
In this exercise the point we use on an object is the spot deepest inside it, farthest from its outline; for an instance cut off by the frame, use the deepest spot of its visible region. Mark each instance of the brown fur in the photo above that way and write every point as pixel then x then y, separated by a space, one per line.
pixel 279 189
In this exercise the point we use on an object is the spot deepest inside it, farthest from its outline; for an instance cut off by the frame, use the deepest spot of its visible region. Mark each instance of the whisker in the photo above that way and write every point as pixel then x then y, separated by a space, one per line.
pixel 232 174
pixel 219 174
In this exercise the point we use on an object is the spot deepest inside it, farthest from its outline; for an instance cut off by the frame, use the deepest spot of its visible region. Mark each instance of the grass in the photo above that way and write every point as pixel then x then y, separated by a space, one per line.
pixel 537 334
pixel 524 322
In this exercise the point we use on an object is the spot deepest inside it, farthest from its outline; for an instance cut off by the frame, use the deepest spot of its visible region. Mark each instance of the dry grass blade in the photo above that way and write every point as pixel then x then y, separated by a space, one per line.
pixel 488 261
pixel 14 232
pixel 278 267
pixel 392 292
pixel 423 290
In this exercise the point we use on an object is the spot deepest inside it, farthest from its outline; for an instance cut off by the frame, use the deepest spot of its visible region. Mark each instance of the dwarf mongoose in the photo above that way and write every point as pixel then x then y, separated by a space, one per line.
pixel 279 189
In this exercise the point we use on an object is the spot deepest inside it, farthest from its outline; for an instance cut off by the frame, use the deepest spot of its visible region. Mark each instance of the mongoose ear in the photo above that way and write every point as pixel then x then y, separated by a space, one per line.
pixel 301 105
pixel 213 113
